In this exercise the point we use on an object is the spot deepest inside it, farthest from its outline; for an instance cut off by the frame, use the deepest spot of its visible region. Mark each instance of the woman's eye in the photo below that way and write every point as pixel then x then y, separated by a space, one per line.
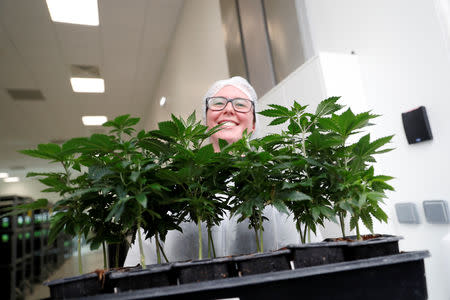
pixel 241 104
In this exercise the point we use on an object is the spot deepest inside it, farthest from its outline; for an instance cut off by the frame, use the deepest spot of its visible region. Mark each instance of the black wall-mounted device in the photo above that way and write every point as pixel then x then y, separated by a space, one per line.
pixel 417 127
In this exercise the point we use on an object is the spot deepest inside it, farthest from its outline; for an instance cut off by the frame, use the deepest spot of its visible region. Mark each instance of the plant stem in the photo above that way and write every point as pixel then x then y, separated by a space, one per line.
pixel 199 224
pixel 261 247
pixel 298 225
pixel 116 256
pixel 305 230
pixel 341 221
pixel 209 245
pixel 358 235
pixel 141 249
pixel 162 251
pixel 212 243
pixel 158 253
pixel 257 239
pixel 309 235
pixel 105 264
pixel 80 263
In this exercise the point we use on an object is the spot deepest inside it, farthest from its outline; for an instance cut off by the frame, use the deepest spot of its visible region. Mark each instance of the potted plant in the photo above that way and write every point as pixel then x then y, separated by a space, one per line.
pixel 337 176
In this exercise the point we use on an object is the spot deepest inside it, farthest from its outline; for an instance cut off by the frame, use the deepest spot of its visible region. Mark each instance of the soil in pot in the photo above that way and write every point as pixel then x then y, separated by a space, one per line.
pixel 314 254
pixel 137 278
pixel 371 245
pixel 203 270
pixel 263 262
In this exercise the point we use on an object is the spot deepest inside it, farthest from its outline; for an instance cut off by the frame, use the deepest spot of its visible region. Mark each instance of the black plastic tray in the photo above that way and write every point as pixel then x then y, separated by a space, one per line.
pixel 74 287
pixel 400 276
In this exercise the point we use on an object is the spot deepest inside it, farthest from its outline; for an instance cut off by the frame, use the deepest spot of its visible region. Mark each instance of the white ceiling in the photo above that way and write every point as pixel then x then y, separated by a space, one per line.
pixel 129 47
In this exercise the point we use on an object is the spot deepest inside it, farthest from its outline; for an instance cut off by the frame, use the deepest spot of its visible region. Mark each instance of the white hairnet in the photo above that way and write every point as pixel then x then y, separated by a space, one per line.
pixel 236 81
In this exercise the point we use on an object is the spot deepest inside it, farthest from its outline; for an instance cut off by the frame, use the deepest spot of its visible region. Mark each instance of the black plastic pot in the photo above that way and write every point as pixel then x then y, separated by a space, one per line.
pixel 112 254
pixel 203 270
pixel 315 254
pixel 75 287
pixel 263 262
pixel 380 246
pixel 138 278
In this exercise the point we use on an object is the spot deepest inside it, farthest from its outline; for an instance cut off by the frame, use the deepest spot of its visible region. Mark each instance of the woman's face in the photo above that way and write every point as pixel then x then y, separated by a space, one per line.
pixel 234 122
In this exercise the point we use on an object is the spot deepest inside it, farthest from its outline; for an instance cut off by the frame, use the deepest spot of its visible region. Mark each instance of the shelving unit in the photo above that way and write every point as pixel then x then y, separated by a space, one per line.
pixel 16 256
pixel 25 255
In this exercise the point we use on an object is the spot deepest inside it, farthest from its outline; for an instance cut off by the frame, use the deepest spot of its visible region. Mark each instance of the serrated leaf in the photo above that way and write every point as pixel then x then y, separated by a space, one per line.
pixel 289 185
pixel 315 211
pixel 134 176
pixel 327 106
pixel 278 121
pixel 142 199
pixel 168 128
pixel 280 207
pixel 298 196
pixel 367 220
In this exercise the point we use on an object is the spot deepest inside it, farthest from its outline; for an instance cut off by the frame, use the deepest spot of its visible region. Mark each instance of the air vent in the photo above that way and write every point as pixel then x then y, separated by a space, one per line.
pixel 84 71
pixel 17 168
pixel 25 94
pixel 98 130
pixel 57 141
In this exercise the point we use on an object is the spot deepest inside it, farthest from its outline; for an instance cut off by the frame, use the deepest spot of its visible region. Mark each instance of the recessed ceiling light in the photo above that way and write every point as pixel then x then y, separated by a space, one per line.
pixel 11 179
pixel 94 120
pixel 82 12
pixel 162 101
pixel 4 175
pixel 87 85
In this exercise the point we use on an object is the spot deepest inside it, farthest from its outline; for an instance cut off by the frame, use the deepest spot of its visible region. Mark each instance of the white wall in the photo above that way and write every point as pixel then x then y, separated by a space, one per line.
pixel 196 58
pixel 404 64
pixel 26 188
pixel 323 76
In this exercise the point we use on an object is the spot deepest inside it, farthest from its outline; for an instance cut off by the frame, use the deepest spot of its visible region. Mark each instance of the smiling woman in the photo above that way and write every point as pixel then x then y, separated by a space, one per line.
pixel 230 102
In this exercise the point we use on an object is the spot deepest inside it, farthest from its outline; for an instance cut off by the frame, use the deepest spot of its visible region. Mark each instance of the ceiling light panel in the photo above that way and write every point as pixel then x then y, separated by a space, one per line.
pixel 94 120
pixel 4 175
pixel 11 179
pixel 81 12
pixel 87 85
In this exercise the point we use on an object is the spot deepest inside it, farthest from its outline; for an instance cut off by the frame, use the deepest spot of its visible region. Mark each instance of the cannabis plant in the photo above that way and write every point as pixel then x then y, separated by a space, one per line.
pixel 196 173
pixel 337 177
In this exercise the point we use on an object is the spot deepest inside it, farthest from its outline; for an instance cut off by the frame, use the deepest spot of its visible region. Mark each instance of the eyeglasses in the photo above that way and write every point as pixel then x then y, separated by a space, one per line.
pixel 219 103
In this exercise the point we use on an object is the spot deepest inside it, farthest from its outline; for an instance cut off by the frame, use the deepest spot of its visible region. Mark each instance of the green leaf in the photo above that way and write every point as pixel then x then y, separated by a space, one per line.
pixel 353 222
pixel 168 128
pixel 142 199
pixel 191 119
pixel 278 121
pixel 327 106
pixel 293 127
pixel 281 207
pixel 367 220
pixel 379 214
pixel 134 176
pixel 97 172
pixel 315 211
pixel 298 196
pixel 289 185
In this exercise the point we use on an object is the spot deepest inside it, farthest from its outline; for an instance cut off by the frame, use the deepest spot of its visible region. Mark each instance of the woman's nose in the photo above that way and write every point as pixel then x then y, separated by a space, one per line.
pixel 229 107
